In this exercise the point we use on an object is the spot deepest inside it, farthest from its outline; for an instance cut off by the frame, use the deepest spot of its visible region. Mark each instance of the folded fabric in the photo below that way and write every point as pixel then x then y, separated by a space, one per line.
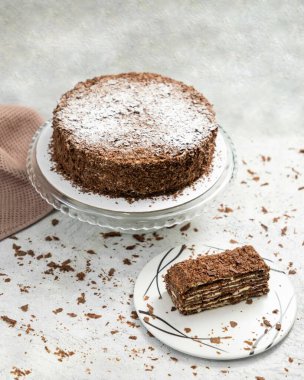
pixel 20 205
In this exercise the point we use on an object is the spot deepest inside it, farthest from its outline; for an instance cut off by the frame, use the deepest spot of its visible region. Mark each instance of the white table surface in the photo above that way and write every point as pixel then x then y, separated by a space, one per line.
pixel 97 353
pixel 247 58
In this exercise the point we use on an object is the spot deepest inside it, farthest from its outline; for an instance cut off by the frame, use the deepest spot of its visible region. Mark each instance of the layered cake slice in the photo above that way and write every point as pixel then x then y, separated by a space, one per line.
pixel 212 281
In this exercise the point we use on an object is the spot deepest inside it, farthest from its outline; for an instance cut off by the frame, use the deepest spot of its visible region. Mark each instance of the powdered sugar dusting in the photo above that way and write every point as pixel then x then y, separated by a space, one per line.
pixel 131 116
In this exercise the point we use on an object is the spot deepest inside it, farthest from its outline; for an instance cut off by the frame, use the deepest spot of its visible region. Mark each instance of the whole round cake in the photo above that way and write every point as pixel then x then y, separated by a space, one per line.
pixel 133 135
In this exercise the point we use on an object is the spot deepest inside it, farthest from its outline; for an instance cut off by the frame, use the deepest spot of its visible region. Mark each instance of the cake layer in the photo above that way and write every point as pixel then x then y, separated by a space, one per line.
pixel 221 291
pixel 226 284
pixel 135 134
pixel 220 294
pixel 220 303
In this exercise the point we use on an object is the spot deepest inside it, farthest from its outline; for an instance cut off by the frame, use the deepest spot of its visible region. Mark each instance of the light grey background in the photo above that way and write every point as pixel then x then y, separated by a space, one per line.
pixel 245 56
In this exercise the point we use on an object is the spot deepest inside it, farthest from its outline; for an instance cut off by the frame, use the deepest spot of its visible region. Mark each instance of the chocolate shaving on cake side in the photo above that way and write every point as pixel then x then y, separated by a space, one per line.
pixel 208 282
pixel 133 135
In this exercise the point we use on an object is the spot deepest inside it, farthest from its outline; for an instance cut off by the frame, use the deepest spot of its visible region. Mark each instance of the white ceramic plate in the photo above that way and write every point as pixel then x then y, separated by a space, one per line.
pixel 121 204
pixel 198 334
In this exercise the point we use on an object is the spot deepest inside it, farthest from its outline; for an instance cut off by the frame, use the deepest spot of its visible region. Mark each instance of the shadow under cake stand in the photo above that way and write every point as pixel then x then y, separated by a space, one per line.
pixel 119 213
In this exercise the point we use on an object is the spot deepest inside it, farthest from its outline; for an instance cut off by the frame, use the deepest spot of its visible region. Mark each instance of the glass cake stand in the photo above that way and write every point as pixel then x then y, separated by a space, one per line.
pixel 118 213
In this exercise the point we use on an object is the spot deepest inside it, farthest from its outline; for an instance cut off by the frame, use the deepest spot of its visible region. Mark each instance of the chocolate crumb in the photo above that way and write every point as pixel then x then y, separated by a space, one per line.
pixel 130 247
pixel 225 209
pixel 93 315
pixel 73 315
pixel 187 329
pixel 185 227
pixel 55 222
pixel 80 276
pixel 283 231
pixel 63 354
pixel 264 227
pixel 134 314
pixel 110 234
pixel 157 236
pixel 91 252
pixel 127 261
pixel 249 301
pixel 278 326
pixel 11 322
pixel 81 299
pixel 59 310
pixel 17 372
pixel 233 324
pixel 232 241
pixel 248 342
pixel 24 308
pixel 140 238
pixel 63 267
pixel 216 340
pixel 267 323
pixel 133 337
pixel 150 309
pixel 111 272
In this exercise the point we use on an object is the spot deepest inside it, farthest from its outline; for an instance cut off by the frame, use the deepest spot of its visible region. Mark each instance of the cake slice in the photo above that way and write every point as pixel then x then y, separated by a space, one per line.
pixel 221 279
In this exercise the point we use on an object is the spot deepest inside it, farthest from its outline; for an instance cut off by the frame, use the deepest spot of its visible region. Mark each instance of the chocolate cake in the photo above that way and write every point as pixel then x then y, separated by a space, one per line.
pixel 222 279
pixel 133 135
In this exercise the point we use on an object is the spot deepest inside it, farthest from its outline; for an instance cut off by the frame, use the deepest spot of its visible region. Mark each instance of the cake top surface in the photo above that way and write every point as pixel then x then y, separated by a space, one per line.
pixel 206 269
pixel 135 113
